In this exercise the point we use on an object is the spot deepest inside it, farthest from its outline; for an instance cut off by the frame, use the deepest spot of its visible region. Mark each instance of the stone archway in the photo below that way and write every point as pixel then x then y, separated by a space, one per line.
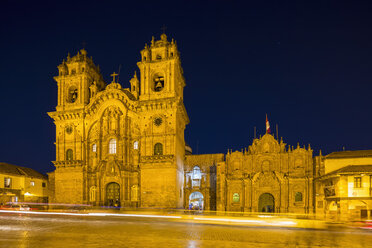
pixel 113 195
pixel 266 203
pixel 196 201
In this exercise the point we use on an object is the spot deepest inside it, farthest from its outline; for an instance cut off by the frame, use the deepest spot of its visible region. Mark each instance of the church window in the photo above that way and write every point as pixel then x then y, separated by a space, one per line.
pixel 72 94
pixel 7 182
pixel 298 197
pixel 112 146
pixel 32 183
pixel 92 193
pixel 196 173
pixel 73 71
pixel 43 185
pixel 158 57
pixel 196 176
pixel 94 147
pixel 82 69
pixel 135 145
pixel 158 149
pixel 158 121
pixel 236 197
pixel 144 58
pixel 171 54
pixel 357 182
pixel 69 129
pixel 69 154
pixel 158 83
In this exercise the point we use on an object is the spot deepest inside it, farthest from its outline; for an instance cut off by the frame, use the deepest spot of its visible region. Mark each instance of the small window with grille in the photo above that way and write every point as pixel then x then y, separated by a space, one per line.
pixel 158 149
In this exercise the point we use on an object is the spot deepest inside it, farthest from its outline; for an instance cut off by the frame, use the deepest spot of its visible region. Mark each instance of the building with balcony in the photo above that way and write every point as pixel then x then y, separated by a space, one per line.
pixel 344 190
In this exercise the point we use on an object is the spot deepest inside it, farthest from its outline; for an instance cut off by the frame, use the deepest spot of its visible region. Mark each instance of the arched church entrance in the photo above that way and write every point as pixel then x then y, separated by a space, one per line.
pixel 113 195
pixel 266 203
pixel 196 201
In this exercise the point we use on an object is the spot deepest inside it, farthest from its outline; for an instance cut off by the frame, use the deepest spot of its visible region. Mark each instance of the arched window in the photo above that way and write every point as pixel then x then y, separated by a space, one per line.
pixel 112 146
pixel 158 149
pixel 158 83
pixel 94 147
pixel 196 173
pixel 135 145
pixel 298 197
pixel 92 193
pixel 236 197
pixel 69 154
pixel 72 94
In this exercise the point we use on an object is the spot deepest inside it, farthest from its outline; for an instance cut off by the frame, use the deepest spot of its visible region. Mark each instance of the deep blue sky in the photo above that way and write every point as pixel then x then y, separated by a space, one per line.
pixel 308 66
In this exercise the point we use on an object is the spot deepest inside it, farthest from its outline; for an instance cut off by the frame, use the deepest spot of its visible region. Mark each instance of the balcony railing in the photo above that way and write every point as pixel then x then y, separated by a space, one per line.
pixel 329 191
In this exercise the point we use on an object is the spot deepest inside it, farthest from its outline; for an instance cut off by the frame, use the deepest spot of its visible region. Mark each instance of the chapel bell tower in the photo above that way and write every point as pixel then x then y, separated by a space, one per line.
pixel 78 79
pixel 164 119
pixel 161 71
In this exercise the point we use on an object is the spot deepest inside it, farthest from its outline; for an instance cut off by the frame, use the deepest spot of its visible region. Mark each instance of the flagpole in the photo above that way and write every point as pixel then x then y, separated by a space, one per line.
pixel 277 135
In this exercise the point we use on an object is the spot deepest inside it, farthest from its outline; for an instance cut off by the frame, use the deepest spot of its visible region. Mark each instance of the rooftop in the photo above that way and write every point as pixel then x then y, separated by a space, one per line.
pixel 16 170
pixel 350 169
pixel 349 154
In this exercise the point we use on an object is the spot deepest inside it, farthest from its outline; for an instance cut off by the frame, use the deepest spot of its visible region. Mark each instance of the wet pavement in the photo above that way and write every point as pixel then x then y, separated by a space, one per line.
pixel 20 230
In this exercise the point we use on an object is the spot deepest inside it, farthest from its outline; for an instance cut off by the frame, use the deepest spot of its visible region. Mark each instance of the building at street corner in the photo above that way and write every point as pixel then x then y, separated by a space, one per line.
pixel 344 185
pixel 22 184
pixel 121 146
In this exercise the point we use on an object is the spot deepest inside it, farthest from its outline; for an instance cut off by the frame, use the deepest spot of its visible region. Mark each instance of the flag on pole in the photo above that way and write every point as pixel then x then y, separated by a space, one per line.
pixel 267 125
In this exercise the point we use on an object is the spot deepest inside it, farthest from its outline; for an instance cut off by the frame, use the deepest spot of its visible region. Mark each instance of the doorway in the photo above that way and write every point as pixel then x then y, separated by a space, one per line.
pixel 196 201
pixel 266 203
pixel 113 195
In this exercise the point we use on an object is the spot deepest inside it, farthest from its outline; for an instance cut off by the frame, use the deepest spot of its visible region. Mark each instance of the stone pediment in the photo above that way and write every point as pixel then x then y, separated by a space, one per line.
pixel 123 96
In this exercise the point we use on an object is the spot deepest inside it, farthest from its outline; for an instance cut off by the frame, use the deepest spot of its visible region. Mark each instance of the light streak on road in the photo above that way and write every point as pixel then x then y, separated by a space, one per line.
pixel 92 214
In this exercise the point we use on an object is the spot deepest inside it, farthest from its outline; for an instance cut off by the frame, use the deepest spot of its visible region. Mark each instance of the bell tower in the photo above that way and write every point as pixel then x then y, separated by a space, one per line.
pixel 163 120
pixel 161 71
pixel 75 79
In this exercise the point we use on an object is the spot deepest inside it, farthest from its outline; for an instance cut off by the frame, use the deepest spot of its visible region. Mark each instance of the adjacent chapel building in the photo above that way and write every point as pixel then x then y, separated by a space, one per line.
pixel 125 146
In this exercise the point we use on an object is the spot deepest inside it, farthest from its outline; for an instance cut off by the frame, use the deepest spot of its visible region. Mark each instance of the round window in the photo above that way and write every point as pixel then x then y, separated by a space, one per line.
pixel 158 121
pixel 69 129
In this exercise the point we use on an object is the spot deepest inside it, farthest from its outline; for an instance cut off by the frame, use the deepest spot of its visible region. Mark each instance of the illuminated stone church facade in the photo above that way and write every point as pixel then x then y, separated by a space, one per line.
pixel 116 146
pixel 125 146
pixel 268 176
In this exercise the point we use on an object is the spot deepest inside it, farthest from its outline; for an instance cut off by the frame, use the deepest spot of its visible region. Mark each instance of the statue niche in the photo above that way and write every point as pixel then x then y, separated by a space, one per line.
pixel 265 166
pixel 111 120
pixel 93 89
pixel 111 168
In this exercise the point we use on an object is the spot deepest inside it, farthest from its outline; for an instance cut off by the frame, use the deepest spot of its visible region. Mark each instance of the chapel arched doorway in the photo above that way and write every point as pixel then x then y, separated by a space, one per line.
pixel 196 201
pixel 266 203
pixel 113 195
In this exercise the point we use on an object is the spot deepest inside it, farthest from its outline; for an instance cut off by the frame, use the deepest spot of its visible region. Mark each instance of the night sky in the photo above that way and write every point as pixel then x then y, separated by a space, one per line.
pixel 308 66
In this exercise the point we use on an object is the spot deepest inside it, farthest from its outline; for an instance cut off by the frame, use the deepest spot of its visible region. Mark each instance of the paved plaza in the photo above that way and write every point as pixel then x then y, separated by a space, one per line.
pixel 22 230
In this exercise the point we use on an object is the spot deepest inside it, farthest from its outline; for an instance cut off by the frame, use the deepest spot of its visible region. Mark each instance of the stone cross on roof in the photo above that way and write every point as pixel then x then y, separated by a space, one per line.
pixel 113 75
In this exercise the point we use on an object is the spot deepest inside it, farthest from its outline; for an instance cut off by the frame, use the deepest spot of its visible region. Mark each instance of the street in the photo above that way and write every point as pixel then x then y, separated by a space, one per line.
pixel 25 230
